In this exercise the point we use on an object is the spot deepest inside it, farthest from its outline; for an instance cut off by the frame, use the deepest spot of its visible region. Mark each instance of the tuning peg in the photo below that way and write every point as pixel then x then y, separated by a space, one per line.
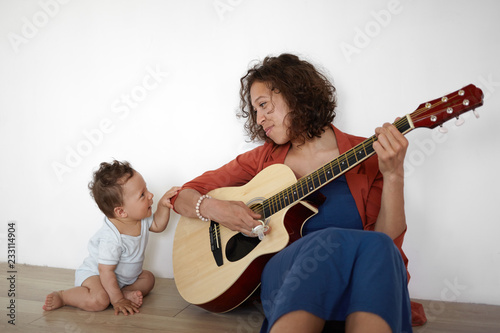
pixel 476 113
pixel 459 121
pixel 443 129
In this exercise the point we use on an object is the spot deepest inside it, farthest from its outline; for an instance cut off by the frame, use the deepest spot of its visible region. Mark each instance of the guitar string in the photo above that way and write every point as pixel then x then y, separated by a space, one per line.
pixel 307 183
pixel 302 184
pixel 316 175
pixel 280 200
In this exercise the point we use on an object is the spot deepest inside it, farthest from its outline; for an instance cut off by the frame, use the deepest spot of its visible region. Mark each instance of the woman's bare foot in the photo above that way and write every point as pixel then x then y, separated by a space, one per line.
pixel 133 296
pixel 53 301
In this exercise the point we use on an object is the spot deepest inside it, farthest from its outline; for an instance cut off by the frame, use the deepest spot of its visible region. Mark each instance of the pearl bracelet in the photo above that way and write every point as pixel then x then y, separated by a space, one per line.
pixel 201 217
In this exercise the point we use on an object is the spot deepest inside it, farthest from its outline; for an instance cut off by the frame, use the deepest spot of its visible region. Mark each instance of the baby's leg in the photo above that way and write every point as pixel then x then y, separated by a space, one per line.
pixel 91 296
pixel 140 288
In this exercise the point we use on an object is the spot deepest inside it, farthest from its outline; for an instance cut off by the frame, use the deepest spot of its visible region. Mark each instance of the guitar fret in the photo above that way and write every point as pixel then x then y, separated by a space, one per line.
pixel 336 168
pixel 325 174
pixel 286 198
pixel 368 145
pixel 361 153
pixel 300 190
pixel 351 159
pixel 289 198
pixel 316 180
pixel 275 204
pixel 343 163
pixel 403 125
pixel 266 212
pixel 322 176
pixel 269 206
pixel 309 184
pixel 273 208
pixel 330 172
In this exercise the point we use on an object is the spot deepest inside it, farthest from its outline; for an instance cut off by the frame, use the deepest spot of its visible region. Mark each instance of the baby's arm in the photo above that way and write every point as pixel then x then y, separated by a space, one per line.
pixel 110 284
pixel 162 214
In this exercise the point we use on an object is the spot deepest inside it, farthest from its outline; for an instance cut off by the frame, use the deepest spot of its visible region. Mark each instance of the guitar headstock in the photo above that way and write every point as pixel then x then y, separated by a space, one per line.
pixel 440 110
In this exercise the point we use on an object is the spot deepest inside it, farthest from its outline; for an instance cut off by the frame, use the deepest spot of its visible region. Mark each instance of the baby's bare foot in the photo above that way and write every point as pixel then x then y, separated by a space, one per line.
pixel 134 296
pixel 53 301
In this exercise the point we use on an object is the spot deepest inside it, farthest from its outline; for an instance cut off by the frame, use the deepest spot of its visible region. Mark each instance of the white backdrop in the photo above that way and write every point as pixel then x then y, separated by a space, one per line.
pixel 156 83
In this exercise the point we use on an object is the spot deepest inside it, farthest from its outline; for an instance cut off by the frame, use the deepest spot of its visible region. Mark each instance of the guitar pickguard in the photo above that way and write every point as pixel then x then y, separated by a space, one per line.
pixel 239 246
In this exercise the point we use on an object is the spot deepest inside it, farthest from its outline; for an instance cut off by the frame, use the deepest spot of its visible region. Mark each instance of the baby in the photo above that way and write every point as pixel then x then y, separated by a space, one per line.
pixel 112 273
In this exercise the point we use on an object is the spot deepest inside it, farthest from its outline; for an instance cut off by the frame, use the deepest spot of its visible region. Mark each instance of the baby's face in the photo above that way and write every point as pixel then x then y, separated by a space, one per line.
pixel 137 200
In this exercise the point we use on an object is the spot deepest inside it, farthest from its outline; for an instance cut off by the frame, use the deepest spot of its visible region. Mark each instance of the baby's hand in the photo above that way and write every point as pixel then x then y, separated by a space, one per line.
pixel 125 306
pixel 165 200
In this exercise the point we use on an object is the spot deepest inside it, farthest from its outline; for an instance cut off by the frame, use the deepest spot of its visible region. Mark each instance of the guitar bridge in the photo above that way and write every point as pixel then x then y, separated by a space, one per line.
pixel 215 242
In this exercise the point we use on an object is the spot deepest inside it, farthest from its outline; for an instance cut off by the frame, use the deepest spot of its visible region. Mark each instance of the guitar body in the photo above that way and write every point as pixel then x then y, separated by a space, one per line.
pixel 200 280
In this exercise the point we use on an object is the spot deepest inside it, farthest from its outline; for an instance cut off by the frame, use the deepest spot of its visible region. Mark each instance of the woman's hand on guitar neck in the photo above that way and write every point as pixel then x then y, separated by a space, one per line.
pixel 391 149
pixel 234 215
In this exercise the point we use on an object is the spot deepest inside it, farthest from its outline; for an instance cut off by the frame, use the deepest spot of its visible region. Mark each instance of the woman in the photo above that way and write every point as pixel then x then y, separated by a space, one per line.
pixel 359 277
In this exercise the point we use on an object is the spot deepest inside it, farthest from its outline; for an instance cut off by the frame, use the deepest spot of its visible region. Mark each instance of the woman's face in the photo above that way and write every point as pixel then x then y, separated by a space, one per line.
pixel 271 112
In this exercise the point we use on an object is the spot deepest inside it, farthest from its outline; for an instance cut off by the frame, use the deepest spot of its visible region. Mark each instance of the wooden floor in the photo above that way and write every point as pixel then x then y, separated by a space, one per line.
pixel 165 311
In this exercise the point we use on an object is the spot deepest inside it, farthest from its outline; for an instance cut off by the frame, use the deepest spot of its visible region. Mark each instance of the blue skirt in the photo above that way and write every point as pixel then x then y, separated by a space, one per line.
pixel 334 272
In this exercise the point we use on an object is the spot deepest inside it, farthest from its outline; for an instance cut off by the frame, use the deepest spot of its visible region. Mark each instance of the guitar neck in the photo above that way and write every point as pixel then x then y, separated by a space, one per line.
pixel 430 115
pixel 330 171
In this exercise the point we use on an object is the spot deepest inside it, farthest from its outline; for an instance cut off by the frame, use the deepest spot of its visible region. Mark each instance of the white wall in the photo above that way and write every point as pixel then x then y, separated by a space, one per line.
pixel 68 67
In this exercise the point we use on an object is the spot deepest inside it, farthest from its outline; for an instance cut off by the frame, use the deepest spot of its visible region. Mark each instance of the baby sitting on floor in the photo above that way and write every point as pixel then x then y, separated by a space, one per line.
pixel 112 273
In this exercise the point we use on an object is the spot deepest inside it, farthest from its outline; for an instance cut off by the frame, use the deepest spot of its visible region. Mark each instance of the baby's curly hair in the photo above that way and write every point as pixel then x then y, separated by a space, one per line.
pixel 106 185
pixel 308 93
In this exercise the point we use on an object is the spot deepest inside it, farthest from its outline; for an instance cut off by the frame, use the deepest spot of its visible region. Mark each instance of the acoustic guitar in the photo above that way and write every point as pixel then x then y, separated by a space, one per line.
pixel 218 269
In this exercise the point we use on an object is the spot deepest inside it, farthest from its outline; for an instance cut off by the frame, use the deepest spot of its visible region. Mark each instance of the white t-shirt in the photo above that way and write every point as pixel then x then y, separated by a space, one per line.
pixel 109 247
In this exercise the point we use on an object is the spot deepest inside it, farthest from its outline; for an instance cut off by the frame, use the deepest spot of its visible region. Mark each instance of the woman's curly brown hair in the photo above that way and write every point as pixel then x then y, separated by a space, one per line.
pixel 106 185
pixel 307 92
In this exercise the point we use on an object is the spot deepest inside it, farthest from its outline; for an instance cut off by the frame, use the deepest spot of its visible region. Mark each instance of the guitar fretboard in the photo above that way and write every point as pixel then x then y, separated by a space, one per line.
pixel 337 167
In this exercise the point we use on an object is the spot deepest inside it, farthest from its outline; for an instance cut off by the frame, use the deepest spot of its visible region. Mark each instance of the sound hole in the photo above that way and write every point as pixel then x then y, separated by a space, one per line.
pixel 239 246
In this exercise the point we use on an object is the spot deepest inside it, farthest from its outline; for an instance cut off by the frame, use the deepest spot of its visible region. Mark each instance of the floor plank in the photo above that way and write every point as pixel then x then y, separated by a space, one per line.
pixel 164 310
